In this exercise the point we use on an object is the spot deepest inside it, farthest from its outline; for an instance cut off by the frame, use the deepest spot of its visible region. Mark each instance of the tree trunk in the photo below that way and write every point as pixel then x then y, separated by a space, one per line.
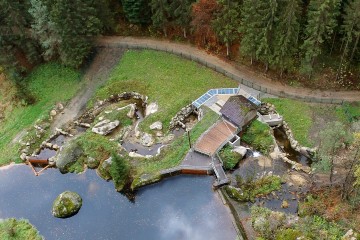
pixel 333 43
pixel 165 33
pixel 355 46
pixel 227 49
pixel 184 31
pixel 266 67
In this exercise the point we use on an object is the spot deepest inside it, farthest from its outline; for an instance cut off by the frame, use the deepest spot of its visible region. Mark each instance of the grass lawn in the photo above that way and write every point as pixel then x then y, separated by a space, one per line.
pixel 49 83
pixel 169 80
pixel 18 230
pixel 298 115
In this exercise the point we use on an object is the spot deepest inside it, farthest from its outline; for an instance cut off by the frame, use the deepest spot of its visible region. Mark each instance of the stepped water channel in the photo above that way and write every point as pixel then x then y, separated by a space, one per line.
pixel 182 207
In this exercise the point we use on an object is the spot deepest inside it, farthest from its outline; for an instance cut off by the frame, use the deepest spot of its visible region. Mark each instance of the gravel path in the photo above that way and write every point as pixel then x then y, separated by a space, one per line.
pixel 238 72
pixel 96 74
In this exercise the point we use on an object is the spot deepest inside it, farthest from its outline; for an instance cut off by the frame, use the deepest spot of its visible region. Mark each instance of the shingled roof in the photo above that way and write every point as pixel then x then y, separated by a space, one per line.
pixel 237 108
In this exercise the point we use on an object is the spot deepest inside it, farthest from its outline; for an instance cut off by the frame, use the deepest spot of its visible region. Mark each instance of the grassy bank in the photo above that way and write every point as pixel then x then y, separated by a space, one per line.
pixel 307 119
pixel 170 81
pixel 13 229
pixel 298 115
pixel 49 83
pixel 176 151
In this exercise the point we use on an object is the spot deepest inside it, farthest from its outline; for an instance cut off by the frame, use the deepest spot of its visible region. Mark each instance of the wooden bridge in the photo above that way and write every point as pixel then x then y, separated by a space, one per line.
pixel 217 165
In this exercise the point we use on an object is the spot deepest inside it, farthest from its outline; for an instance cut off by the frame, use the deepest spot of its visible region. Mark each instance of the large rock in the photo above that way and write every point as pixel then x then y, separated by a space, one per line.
pixel 151 108
pixel 92 162
pixel 147 140
pixel 132 110
pixel 240 150
pixel 104 169
pixel 105 127
pixel 156 126
pixel 66 204
pixel 68 155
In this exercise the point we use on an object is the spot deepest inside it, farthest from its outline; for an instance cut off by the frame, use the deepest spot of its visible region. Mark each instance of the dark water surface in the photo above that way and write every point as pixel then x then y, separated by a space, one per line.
pixel 183 207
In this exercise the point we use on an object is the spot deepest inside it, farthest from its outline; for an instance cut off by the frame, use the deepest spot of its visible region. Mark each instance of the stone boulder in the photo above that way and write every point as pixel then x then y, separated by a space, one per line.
pixel 105 127
pixel 104 169
pixel 151 108
pixel 240 150
pixel 131 113
pixel 68 155
pixel 66 204
pixel 147 140
pixel 92 162
pixel 156 126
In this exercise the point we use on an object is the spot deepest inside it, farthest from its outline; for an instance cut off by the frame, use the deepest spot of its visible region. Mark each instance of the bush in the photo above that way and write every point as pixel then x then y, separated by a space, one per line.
pixel 229 157
pixel 119 171
pixel 258 135
pixel 250 188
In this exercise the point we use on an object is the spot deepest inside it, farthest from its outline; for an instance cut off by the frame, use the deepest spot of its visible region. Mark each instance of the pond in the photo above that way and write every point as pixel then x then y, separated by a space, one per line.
pixel 182 207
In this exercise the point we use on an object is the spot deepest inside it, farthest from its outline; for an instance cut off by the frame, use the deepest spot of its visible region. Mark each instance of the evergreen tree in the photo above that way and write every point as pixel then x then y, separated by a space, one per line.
pixel 227 22
pixel 249 30
pixel 76 22
pixel 287 34
pixel 18 51
pixel 160 14
pixel 119 171
pixel 351 28
pixel 43 28
pixel 137 11
pixel 268 11
pixel 182 13
pixel 321 23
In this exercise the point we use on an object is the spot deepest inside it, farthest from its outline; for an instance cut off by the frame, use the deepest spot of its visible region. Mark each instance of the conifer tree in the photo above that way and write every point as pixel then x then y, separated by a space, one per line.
pixel 76 22
pixel 137 11
pixel 160 14
pixel 43 28
pixel 250 32
pixel 18 51
pixel 182 13
pixel 227 22
pixel 321 23
pixel 268 11
pixel 351 28
pixel 287 34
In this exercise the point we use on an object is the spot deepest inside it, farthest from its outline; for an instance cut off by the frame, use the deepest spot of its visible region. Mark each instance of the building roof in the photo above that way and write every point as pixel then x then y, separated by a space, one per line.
pixel 215 137
pixel 236 108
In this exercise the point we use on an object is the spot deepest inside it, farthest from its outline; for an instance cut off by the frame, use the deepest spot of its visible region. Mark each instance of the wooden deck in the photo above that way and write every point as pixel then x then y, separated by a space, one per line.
pixel 215 138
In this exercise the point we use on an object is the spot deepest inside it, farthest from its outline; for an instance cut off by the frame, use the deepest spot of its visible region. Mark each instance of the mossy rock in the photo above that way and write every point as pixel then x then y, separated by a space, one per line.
pixel 66 204
pixel 104 169
pixel 145 179
pixel 235 194
pixel 91 162
pixel 68 155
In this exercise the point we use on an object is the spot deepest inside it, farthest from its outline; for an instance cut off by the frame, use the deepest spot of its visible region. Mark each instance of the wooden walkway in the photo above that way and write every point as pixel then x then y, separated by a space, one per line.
pixel 222 179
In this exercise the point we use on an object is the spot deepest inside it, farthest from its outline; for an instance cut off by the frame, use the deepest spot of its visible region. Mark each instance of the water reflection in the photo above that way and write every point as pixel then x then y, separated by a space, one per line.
pixel 182 207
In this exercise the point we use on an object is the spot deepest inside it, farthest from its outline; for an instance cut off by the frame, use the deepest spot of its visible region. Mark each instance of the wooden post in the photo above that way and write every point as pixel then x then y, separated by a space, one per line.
pixel 36 174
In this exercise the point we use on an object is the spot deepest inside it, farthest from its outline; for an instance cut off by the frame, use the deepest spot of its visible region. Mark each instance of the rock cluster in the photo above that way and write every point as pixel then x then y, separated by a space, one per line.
pixel 266 108
pixel 179 118
pixel 66 204
pixel 104 169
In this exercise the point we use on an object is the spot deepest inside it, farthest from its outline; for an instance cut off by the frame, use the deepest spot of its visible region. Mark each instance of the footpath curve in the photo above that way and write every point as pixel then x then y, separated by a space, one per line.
pixel 240 73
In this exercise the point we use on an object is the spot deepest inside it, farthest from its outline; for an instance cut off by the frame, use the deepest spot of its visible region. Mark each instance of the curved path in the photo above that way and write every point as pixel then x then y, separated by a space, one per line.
pixel 240 73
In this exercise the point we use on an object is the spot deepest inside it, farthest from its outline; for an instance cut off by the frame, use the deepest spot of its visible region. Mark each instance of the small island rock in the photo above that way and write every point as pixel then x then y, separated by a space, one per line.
pixel 66 204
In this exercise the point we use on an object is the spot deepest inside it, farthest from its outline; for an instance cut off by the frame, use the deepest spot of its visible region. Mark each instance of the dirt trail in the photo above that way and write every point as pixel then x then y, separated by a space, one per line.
pixel 96 74
pixel 236 71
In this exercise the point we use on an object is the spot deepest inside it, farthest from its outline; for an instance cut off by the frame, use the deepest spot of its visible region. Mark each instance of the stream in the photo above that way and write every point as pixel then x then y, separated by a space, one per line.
pixel 181 207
